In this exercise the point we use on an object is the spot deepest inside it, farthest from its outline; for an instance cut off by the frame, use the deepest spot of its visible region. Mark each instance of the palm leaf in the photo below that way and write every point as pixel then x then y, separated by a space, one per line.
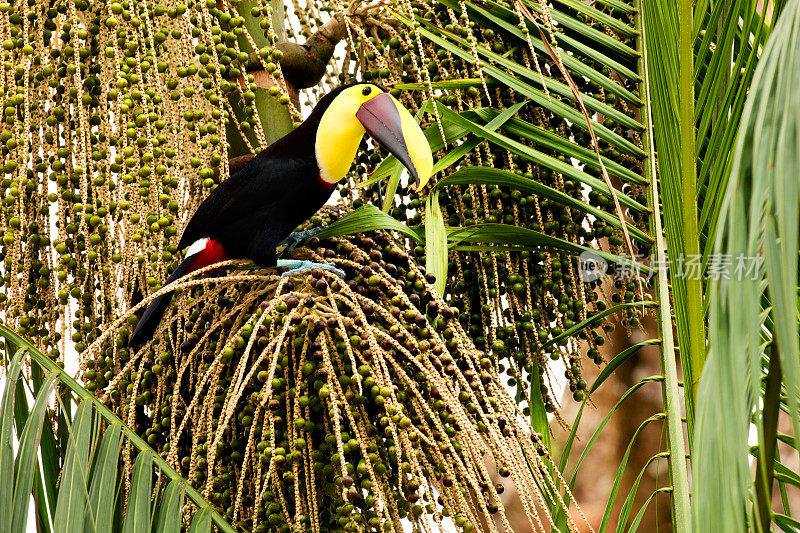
pixel 391 166
pixel 27 458
pixel 497 120
pixel 583 324
pixel 627 505
pixel 100 507
pixel 658 108
pixel 612 46
pixel 71 507
pixel 621 470
pixel 560 518
pixel 101 494
pixel 169 513
pixel 201 521
pixel 760 214
pixel 493 176
pixel 526 239
pixel 541 136
pixel 660 27
pixel 638 518
pixel 435 242
pixel 367 218
pixel 787 523
pixel 540 158
pixel 500 17
pixel 137 514
pixel 7 436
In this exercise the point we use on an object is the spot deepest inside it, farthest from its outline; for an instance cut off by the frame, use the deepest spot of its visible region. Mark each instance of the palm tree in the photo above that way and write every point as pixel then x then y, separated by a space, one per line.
pixel 567 135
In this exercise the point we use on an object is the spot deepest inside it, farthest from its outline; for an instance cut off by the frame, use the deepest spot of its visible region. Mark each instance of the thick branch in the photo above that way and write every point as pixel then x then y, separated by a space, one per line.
pixel 303 65
pixel 235 164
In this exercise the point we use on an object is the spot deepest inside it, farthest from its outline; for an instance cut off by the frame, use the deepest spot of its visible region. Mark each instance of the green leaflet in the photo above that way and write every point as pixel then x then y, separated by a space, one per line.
pixel 446 84
pixel 627 505
pixel 54 373
pixel 493 176
pixel 367 218
pixel 560 519
pixel 137 515
pixel 7 436
pixel 591 34
pixel 457 152
pixel 786 523
pixel 559 144
pixel 497 15
pixel 539 420
pixel 504 234
pixel 617 361
pixel 609 311
pixel 71 506
pixel 638 518
pixel 435 242
pixel 201 521
pixel 27 457
pixel 514 82
pixel 600 16
pixel 390 166
pixel 538 157
pixel 621 470
pixel 100 507
pixel 169 513
pixel 452 132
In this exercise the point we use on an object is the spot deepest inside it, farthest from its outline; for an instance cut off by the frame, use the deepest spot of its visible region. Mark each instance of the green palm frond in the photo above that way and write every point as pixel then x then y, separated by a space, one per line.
pixel 759 219
pixel 660 22
pixel 90 490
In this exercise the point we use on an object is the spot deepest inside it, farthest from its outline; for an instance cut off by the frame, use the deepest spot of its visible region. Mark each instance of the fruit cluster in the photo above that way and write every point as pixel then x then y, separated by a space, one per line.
pixel 331 404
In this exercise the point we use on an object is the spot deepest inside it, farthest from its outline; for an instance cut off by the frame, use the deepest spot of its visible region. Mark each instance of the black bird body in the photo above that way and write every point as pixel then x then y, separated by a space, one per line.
pixel 247 215
pixel 250 213
pixel 275 192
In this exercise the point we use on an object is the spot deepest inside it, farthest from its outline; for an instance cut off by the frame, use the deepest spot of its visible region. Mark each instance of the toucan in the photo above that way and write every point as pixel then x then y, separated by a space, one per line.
pixel 250 214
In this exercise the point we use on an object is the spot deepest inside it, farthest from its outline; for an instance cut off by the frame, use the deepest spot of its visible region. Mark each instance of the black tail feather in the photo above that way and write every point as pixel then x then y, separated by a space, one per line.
pixel 148 324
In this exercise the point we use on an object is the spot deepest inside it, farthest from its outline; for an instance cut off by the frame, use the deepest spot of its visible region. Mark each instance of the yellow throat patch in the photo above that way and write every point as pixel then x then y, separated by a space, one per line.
pixel 340 132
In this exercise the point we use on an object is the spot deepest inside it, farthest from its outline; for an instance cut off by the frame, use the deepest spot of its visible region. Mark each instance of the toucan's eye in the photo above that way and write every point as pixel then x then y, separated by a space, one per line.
pixel 366 90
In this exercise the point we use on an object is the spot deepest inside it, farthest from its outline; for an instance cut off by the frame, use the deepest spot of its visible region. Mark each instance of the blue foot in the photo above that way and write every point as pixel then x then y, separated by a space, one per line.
pixel 297 237
pixel 297 267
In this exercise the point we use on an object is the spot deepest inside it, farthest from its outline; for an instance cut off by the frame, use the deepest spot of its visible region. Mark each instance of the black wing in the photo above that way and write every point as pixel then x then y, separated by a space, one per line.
pixel 263 183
